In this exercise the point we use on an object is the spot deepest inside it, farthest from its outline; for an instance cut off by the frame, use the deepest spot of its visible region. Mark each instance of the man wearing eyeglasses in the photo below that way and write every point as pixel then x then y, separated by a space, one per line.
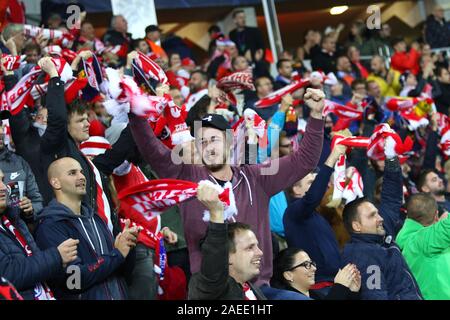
pixel 307 229
pixel 253 185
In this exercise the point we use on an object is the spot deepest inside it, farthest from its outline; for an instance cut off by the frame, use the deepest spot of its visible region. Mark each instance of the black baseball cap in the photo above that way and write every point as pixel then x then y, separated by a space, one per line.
pixel 152 28
pixel 212 120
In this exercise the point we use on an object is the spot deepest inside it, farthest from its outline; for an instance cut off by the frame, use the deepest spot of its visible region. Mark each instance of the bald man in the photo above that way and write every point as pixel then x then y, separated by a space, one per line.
pixel 437 32
pixel 95 274
pixel 21 261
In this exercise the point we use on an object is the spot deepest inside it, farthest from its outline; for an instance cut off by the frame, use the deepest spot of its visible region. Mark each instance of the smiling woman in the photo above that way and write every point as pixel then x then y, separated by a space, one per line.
pixel 295 271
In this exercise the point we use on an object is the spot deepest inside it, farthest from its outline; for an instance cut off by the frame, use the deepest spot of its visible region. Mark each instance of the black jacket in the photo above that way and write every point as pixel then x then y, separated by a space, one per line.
pixel 249 38
pixel 213 282
pixel 437 34
pixel 22 271
pixel 27 140
pixel 442 99
pixel 324 62
pixel 57 143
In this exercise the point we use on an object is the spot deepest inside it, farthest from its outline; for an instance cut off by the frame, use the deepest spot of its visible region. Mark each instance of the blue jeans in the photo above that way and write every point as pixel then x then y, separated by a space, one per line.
pixel 144 281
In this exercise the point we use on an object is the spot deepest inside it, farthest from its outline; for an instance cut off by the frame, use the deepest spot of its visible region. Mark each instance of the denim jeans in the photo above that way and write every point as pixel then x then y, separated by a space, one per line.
pixel 144 281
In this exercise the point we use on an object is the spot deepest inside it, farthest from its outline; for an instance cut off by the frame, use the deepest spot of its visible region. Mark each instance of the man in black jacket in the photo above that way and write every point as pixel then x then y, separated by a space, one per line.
pixel 25 132
pixel 437 31
pixel 246 38
pixel 118 36
pixel 230 257
pixel 21 261
pixel 325 59
pixel 66 129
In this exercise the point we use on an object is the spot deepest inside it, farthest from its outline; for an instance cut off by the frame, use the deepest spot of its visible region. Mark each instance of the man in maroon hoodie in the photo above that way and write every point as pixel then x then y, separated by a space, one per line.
pixel 253 185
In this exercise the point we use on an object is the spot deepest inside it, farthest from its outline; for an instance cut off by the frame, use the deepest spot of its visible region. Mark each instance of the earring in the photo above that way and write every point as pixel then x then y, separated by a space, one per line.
pixel 292 280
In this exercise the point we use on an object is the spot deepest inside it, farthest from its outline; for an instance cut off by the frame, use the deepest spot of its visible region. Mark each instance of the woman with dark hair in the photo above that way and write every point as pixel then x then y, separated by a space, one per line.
pixel 293 270
pixel 360 38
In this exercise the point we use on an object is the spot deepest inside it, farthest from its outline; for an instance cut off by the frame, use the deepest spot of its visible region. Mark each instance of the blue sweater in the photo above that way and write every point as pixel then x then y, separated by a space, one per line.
pixel 306 229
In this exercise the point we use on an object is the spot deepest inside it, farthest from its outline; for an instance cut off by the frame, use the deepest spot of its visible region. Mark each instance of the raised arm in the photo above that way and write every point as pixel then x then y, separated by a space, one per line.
pixel 279 174
pixel 391 192
pixel 56 133
pixel 434 239
pixel 155 153
pixel 303 208
pixel 212 280
pixel 20 124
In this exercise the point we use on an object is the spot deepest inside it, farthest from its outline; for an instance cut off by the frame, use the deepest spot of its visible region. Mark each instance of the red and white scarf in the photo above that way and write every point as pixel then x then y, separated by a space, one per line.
pixel 354 188
pixel 103 207
pixel 248 292
pixel 375 149
pixel 276 96
pixel 404 104
pixel 348 111
pixel 11 62
pixel 8 291
pixel 236 81
pixel 151 68
pixel 14 100
pixel 62 38
pixel 41 290
pixel 156 196
pixel 240 128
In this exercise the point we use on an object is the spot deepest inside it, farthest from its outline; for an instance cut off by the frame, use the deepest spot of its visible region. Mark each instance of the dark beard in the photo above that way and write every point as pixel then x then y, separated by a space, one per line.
pixel 439 193
pixel 214 167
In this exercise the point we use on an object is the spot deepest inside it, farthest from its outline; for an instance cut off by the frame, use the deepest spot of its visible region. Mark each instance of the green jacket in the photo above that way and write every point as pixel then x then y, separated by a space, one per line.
pixel 427 252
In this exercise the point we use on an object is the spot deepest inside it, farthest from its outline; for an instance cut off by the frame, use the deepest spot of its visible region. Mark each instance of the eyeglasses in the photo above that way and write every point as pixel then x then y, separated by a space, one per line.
pixel 307 265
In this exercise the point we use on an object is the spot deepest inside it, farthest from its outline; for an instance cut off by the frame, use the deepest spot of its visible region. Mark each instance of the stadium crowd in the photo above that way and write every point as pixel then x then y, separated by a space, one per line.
pixel 130 169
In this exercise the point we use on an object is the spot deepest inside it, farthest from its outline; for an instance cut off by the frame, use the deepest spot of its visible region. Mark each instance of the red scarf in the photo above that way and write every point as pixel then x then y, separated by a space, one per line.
pixel 248 292
pixel 103 208
pixel 41 290
pixel 151 68
pixel 153 197
pixel 7 291
pixel 276 96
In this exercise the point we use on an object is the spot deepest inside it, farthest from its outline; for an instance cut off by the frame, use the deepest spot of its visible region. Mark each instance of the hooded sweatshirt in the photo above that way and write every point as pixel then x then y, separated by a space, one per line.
pixel 427 252
pixel 252 187
pixel 97 258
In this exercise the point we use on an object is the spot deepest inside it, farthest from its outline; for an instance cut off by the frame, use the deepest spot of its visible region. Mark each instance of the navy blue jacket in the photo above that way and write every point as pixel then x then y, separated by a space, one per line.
pixel 308 230
pixel 98 260
pixel 22 271
pixel 384 272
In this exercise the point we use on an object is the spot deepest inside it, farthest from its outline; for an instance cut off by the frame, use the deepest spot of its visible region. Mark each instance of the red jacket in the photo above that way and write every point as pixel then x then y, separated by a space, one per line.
pixel 406 61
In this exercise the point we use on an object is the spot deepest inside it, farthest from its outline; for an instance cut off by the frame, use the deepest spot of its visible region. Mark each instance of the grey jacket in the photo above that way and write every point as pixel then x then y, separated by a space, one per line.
pixel 16 169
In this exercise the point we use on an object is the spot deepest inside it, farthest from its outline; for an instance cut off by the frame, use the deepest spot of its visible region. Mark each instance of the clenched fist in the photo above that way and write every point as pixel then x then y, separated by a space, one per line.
pixel 314 99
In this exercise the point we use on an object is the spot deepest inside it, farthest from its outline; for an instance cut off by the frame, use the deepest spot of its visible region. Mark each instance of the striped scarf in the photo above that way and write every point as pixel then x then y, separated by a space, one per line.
pixel 41 290
pixel 248 292
pixel 103 207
